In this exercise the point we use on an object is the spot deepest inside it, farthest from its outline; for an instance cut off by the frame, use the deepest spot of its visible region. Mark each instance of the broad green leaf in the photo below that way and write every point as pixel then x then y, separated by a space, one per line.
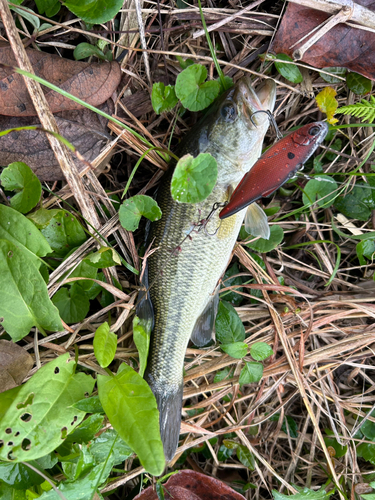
pixel 264 246
pixel 236 349
pixel 16 228
pixel 87 429
pixel 194 178
pixel 365 248
pixel 19 177
pixel 163 97
pixel 94 11
pixel 288 71
pixel 232 297
pixel 72 303
pixel 252 372
pixel 42 217
pixel 358 84
pixel 335 70
pixel 103 258
pixel 340 450
pixel 290 425
pixel 40 415
pixel 368 428
pixel 194 93
pixel 228 326
pixel 48 461
pixel 80 466
pixel 107 443
pixel 20 476
pixel 64 232
pixel 187 62
pixel 131 408
pixel 84 50
pixel 50 7
pixel 304 494
pixel 367 451
pixel 83 270
pixel 9 493
pixel 327 103
pixel 90 405
pixel 223 374
pixel 141 337
pixel 24 296
pixel 105 345
pixel 260 351
pixel 357 204
pixel 322 190
pixel 133 208
pixel 245 457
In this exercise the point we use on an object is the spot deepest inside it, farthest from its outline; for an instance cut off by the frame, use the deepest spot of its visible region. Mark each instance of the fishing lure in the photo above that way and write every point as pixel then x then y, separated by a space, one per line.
pixel 278 164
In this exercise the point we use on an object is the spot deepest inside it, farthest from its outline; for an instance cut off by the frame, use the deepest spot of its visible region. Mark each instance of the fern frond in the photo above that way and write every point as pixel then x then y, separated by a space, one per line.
pixel 364 110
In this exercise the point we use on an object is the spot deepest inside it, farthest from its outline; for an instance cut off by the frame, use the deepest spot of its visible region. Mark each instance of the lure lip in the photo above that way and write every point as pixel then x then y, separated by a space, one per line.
pixel 311 139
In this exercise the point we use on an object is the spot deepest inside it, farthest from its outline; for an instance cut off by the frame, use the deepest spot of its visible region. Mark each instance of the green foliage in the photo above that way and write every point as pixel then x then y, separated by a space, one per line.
pixel 260 351
pixel 322 190
pixel 358 84
pixel 103 258
pixel 236 350
pixel 49 7
pixel 232 297
pixel 288 71
pixel 163 97
pixel 105 345
pixel 94 11
pixel 364 110
pixel 251 373
pixel 243 453
pixel 39 414
pixel 84 50
pixel 194 93
pixel 141 336
pixel 194 178
pixel 263 246
pixel 228 326
pixel 20 178
pixel 187 62
pixel 72 303
pixel 365 248
pixel 304 494
pixel 133 208
pixel 358 203
pixel 131 408
pixel 335 70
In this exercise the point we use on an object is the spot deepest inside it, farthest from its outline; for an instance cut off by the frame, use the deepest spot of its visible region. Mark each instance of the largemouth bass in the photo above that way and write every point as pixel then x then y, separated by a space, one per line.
pixel 182 279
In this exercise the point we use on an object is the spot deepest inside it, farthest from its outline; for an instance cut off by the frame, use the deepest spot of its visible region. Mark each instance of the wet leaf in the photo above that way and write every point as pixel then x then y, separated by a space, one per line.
pixel 133 208
pixel 327 103
pixel 264 246
pixel 194 178
pixel 24 296
pixel 228 325
pixel 105 345
pixel 20 178
pixel 322 190
pixel 163 97
pixel 93 83
pixel 94 11
pixel 260 351
pixel 288 71
pixel 40 415
pixel 141 336
pixel 15 364
pixel 236 349
pixel 251 373
pixel 358 83
pixel 20 476
pixel 194 93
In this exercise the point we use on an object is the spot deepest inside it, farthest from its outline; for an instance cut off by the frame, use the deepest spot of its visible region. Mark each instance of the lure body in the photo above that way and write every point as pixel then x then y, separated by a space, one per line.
pixel 278 164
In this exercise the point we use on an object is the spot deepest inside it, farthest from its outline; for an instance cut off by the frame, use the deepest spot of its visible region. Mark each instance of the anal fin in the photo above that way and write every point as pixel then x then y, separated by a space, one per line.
pixel 204 326
pixel 256 222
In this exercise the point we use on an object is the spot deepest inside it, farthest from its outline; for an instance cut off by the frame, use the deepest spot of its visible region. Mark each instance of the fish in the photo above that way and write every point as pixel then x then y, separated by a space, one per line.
pixel 278 164
pixel 180 281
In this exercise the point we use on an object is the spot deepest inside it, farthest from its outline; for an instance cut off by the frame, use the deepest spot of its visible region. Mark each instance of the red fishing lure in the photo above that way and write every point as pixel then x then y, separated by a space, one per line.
pixel 278 164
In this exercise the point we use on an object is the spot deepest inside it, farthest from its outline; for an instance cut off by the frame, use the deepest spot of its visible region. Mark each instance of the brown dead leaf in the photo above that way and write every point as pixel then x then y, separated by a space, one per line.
pixel 15 364
pixel 86 130
pixel 351 48
pixel 93 83
pixel 191 485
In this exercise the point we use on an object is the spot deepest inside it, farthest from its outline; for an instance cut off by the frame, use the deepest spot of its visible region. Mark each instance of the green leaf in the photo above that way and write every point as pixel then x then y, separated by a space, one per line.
pixel 236 350
pixel 131 408
pixel 264 246
pixel 40 415
pixel 24 296
pixel 9 493
pixel 42 217
pixel 105 345
pixel 322 190
pixel 84 50
pixel 72 303
pixel 260 351
pixel 364 109
pixel 86 430
pixel 29 15
pixel 194 178
pixel 365 248
pixel 107 443
pixel 19 177
pixel 228 325
pixel 193 93
pixel 358 83
pixel 64 232
pixel 290 425
pixel 340 450
pixel 304 494
pixel 232 297
pixel 188 62
pixel 16 228
pixel 141 337
pixel 288 71
pixel 335 70
pixel 163 97
pixel 252 372
pixel 89 405
pixel 357 204
pixel 50 7
pixel 223 374
pixel 83 270
pixel 133 208
pixel 368 428
pixel 103 258
pixel 245 457
pixel 94 11
pixel 367 451
pixel 20 476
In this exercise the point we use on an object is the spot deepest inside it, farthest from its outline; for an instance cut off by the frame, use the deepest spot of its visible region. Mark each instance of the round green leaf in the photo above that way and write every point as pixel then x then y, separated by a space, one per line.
pixel 94 11
pixel 105 345
pixel 194 178
pixel 64 232
pixel 260 351
pixel 19 177
pixel 236 349
pixel 264 246
pixel 322 189
pixel 133 208
pixel 73 304
pixel 288 71
pixel 252 372
pixel 163 97
pixel 228 325
pixel 358 83
pixel 193 93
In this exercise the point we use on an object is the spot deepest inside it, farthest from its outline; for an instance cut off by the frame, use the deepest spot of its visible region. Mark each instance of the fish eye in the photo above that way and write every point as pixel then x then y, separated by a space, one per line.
pixel 228 112
pixel 314 130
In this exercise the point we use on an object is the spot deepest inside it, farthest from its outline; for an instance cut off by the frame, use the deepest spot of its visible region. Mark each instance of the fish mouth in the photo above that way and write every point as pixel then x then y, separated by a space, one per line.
pixel 252 101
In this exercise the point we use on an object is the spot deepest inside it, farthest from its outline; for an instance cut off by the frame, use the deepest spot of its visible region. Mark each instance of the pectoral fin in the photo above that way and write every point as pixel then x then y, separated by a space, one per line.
pixel 204 325
pixel 256 222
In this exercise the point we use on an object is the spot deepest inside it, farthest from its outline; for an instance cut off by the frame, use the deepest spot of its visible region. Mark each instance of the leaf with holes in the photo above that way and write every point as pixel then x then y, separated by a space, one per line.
pixel 20 178
pixel 41 415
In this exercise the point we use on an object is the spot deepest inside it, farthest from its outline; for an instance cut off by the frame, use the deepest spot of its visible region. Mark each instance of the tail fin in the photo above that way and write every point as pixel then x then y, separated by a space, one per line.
pixel 256 222
pixel 169 400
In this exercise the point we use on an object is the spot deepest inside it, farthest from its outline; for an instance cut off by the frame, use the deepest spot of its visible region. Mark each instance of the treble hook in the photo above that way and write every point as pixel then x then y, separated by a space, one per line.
pixel 272 120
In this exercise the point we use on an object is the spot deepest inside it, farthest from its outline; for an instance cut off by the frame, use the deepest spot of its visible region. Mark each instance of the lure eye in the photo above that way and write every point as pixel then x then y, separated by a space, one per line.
pixel 314 131
pixel 229 112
